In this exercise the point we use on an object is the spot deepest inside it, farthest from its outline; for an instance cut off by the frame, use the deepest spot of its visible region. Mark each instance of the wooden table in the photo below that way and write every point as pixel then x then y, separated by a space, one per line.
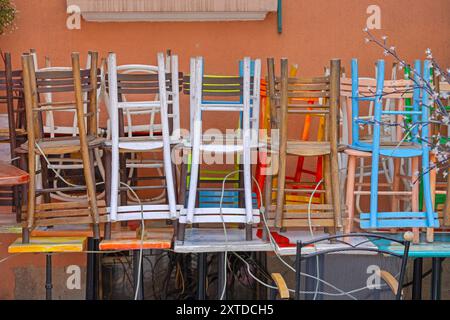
pixel 125 240
pixel 49 245
pixel 12 176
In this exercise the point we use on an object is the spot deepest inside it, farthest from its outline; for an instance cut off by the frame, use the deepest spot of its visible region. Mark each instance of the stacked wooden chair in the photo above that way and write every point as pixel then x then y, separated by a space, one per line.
pixel 284 93
pixel 235 95
pixel 408 145
pixel 153 92
pixel 56 124
pixel 71 89
pixel 13 130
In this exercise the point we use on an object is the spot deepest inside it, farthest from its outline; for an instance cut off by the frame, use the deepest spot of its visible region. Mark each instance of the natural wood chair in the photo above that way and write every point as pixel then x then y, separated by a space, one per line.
pixel 56 124
pixel 280 213
pixel 69 86
pixel 13 130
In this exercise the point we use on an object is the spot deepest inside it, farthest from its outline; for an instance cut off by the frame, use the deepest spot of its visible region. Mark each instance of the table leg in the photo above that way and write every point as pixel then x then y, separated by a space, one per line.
pixel 92 270
pixel 201 265
pixel 261 293
pixel 138 275
pixel 436 279
pixel 417 279
pixel 48 277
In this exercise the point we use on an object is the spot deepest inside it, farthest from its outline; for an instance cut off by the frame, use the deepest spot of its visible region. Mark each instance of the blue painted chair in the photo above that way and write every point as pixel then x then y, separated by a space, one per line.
pixel 416 147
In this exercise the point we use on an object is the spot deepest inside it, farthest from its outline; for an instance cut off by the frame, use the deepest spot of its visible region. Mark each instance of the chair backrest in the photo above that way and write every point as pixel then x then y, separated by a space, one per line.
pixel 71 90
pixel 289 96
pixel 226 93
pixel 140 83
pixel 52 122
pixel 360 90
pixel 166 86
pixel 11 94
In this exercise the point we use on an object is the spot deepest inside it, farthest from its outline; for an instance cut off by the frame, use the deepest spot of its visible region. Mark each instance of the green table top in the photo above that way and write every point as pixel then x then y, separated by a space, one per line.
pixel 440 248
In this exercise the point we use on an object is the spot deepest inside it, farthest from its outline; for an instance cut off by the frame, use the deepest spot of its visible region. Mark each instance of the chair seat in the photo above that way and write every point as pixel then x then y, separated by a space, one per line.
pixel 220 148
pixel 390 149
pixel 130 144
pixel 140 145
pixel 308 148
pixel 64 145
pixel 4 132
pixel 358 153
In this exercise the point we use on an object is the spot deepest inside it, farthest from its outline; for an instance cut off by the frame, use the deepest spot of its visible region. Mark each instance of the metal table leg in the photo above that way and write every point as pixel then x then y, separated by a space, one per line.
pixel 201 289
pixel 48 276
pixel 92 270
pixel 436 279
pixel 138 275
pixel 417 279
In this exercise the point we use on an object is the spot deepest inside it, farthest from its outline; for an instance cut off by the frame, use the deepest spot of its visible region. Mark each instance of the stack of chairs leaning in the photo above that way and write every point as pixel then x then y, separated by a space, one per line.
pixel 104 147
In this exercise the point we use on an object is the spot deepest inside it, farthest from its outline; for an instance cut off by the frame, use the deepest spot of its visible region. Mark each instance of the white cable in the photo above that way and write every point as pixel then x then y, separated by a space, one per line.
pixel 141 250
pixel 50 166
pixel 312 235
pixel 225 230
pixel 275 250
pixel 291 290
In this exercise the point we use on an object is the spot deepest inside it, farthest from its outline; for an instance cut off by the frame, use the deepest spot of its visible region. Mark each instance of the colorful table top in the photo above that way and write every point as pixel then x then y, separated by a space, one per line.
pixel 156 238
pixel 11 175
pixel 49 245
pixel 440 248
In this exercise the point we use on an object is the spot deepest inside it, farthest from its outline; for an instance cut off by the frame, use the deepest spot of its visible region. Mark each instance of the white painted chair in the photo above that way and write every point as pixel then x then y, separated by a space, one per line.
pixel 145 87
pixel 131 129
pixel 246 94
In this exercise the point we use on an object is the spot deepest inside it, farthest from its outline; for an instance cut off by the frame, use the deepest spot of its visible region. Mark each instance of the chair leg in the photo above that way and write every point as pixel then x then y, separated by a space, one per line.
pixel 181 231
pixel 45 179
pixel 396 185
pixel 248 202
pixel 31 202
pixel 415 195
pixel 194 177
pixel 350 194
pixel 328 186
pixel 107 167
pixel 89 174
pixel 336 191
pixel 123 178
pixel 430 231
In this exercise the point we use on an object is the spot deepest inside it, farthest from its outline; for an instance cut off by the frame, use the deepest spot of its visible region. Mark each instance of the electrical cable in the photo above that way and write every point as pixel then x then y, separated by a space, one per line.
pixel 312 234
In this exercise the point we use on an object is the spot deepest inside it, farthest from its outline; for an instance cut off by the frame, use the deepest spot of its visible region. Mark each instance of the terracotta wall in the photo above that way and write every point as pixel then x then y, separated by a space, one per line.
pixel 314 32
